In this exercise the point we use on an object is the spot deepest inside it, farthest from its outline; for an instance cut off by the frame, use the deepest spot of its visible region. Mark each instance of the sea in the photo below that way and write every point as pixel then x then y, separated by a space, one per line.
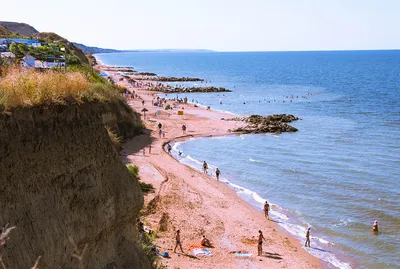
pixel 338 174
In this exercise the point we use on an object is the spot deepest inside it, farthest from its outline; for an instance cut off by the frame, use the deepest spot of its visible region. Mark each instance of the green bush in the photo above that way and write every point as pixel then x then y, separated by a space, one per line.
pixel 146 187
pixel 133 170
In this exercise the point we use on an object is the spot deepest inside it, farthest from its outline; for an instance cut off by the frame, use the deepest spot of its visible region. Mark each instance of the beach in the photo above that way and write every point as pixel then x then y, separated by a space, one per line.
pixel 198 204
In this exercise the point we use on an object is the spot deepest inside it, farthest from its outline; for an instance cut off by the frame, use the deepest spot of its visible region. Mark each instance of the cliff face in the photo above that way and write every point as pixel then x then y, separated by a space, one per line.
pixel 61 177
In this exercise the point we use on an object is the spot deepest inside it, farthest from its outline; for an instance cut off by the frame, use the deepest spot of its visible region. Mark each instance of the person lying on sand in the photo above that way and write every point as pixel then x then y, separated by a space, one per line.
pixel 205 242
pixel 178 241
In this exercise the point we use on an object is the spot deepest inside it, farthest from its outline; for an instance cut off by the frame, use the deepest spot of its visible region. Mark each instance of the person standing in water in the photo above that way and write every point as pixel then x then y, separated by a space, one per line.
pixel 307 243
pixel 205 167
pixel 217 173
pixel 260 242
pixel 266 210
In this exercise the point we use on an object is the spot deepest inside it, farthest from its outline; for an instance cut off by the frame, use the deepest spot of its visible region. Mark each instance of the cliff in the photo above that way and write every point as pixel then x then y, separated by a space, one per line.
pixel 61 177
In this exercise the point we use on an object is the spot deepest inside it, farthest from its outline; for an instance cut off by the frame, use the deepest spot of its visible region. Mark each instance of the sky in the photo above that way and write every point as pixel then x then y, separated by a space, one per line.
pixel 221 25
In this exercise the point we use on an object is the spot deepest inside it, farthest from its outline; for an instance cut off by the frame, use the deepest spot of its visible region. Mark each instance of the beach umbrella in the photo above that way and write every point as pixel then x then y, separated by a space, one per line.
pixel 144 112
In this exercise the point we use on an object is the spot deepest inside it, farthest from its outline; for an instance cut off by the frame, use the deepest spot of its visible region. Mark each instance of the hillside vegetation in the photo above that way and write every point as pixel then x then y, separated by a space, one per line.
pixel 4 32
pixel 70 47
pixel 27 88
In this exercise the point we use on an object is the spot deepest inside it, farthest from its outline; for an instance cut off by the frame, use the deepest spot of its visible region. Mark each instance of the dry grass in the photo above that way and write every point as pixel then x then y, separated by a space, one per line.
pixel 25 88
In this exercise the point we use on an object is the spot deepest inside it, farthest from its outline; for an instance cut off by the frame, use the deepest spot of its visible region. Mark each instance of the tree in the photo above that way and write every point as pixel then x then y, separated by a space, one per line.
pixel 73 59
pixel 19 50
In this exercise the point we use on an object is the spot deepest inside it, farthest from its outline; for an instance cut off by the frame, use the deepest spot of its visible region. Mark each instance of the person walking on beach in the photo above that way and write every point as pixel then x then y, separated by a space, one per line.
pixel 160 132
pixel 143 102
pixel 260 242
pixel 205 167
pixel 217 173
pixel 159 125
pixel 183 129
pixel 266 210
pixel 150 149
pixel 307 243
pixel 178 241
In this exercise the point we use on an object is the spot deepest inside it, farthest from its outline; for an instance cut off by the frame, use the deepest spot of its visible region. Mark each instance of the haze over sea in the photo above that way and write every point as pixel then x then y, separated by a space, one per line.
pixel 338 173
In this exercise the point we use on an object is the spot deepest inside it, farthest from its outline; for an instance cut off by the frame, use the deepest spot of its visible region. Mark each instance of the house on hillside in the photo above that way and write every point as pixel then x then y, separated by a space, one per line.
pixel 7 57
pixel 31 62
pixel 29 42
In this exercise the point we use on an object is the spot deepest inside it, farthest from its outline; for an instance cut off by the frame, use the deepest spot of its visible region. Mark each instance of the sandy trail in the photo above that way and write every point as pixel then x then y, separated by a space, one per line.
pixel 198 204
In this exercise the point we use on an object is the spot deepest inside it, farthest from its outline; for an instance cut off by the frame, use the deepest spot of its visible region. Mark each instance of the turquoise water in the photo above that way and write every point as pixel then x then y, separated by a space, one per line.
pixel 338 174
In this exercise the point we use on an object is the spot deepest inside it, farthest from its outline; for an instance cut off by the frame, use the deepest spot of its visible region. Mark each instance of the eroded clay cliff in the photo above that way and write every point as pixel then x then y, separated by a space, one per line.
pixel 61 177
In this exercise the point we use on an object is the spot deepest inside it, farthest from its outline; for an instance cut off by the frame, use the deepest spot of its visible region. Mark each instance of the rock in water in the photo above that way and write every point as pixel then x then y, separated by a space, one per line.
pixel 276 123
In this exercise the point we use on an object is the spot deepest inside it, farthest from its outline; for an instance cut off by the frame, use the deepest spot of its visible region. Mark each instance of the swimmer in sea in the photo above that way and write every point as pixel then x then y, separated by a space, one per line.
pixel 375 227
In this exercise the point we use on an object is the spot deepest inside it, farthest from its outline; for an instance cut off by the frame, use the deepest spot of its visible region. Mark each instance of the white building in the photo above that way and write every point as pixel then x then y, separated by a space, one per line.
pixel 31 62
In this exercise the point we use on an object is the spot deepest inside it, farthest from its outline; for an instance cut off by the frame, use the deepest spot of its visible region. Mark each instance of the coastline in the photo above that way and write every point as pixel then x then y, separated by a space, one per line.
pixel 198 204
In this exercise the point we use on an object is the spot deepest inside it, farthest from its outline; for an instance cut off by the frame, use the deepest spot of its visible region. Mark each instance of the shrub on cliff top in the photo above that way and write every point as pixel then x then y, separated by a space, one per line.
pixel 24 88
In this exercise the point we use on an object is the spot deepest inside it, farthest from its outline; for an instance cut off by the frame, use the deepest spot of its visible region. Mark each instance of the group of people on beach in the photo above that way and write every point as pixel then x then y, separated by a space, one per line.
pixel 205 170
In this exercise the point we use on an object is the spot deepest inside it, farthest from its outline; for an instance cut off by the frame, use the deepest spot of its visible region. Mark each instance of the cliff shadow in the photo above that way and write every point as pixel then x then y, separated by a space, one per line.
pixel 135 145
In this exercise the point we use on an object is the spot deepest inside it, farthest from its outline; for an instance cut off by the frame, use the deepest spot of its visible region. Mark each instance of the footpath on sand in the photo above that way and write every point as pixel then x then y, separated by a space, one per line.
pixel 198 204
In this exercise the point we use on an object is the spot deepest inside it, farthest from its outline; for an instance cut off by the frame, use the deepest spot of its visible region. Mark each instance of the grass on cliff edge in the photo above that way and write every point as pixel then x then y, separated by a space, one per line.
pixel 26 88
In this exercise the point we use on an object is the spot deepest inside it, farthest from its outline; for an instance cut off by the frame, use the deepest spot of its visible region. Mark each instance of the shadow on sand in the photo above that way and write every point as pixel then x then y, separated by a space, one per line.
pixel 136 144
pixel 271 255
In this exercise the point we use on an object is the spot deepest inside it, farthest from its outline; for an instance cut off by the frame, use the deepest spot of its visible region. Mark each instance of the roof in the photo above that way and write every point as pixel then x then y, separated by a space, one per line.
pixel 7 54
pixel 28 56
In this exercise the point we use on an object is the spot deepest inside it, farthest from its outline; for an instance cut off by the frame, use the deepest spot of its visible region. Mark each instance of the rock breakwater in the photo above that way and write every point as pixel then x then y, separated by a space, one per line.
pixel 188 89
pixel 257 124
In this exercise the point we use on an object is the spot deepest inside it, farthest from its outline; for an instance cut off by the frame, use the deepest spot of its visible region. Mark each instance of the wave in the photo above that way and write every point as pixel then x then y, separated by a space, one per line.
pixel 278 213
pixel 255 161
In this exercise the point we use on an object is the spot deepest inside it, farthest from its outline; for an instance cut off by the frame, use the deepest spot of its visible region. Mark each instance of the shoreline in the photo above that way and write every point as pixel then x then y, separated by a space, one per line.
pixel 200 114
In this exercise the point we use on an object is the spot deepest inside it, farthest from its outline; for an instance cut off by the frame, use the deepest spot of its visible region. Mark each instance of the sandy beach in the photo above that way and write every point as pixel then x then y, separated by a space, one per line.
pixel 198 204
